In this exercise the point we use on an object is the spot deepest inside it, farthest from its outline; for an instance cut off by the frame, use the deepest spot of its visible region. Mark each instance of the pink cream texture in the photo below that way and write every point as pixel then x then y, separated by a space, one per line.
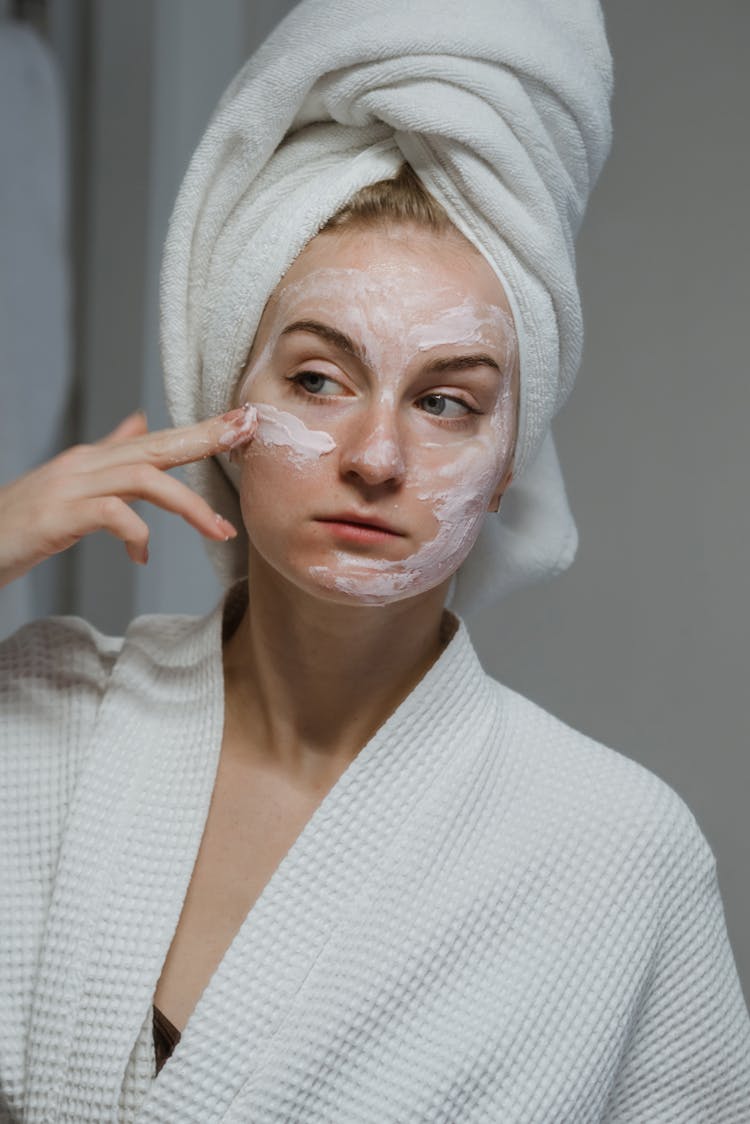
pixel 242 430
pixel 453 473
pixel 279 427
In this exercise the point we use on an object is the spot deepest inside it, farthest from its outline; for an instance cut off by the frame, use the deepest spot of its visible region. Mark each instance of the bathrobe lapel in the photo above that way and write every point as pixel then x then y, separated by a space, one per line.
pixel 145 796
pixel 129 847
pixel 250 1012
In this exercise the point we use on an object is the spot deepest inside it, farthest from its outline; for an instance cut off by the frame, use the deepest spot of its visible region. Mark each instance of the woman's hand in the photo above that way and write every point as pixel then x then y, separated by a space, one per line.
pixel 88 487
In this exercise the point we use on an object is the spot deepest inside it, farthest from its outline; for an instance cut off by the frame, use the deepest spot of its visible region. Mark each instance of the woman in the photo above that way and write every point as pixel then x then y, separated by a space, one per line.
pixel 305 842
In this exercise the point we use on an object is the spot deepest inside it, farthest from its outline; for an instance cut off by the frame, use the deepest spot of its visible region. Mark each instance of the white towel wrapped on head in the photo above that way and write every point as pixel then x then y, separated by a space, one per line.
pixel 502 109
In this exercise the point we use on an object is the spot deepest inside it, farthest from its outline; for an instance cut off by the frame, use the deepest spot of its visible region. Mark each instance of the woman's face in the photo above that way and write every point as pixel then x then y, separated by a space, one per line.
pixel 385 371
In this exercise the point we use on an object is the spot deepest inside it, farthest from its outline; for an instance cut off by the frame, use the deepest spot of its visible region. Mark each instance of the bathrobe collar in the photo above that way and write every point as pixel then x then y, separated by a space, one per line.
pixel 130 845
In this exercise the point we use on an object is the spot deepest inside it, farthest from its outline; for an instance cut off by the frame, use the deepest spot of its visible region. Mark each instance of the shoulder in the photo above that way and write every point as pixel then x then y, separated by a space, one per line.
pixel 57 676
pixel 55 673
pixel 53 676
pixel 66 657
pixel 54 658
pixel 594 795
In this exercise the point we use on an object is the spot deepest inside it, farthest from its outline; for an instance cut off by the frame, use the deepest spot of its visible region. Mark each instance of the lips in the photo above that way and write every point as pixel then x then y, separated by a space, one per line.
pixel 360 520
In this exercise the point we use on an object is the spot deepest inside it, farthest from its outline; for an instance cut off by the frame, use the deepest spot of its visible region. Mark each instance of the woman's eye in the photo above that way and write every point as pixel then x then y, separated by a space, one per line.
pixel 314 383
pixel 443 406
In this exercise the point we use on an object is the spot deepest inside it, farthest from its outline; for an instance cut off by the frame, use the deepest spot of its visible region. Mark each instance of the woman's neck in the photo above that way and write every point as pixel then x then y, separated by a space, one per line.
pixel 309 681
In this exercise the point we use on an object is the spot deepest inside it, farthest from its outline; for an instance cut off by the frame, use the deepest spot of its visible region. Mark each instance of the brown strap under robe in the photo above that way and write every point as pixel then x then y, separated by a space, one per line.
pixel 166 1037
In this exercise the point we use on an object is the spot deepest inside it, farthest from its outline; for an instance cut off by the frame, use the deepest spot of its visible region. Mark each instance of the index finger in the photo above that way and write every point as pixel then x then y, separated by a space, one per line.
pixel 167 448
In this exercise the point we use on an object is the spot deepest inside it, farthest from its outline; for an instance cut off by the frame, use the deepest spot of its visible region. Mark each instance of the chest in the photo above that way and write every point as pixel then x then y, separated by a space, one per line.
pixel 253 820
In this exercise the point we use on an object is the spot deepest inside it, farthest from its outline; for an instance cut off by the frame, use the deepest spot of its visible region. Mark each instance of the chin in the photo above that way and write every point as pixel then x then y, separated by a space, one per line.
pixel 376 589
pixel 350 579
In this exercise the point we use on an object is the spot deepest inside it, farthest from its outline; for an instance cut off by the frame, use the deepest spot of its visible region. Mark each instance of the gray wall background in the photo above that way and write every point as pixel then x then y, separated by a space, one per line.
pixel 642 644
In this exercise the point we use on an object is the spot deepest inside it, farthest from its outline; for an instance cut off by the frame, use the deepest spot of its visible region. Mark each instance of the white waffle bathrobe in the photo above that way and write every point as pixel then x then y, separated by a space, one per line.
pixel 490 917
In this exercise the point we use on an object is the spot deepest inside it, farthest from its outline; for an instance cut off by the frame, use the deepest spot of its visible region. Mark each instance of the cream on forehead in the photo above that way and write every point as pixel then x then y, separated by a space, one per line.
pixel 387 310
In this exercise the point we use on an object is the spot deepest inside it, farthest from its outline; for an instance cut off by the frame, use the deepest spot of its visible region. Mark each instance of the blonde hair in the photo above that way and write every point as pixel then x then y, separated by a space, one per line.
pixel 402 199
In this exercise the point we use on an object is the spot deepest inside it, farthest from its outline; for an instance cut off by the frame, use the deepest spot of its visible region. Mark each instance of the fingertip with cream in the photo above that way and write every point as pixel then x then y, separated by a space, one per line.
pixel 241 423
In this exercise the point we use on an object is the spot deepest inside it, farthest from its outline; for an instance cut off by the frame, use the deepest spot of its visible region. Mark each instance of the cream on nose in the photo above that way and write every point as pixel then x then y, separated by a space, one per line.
pixel 375 454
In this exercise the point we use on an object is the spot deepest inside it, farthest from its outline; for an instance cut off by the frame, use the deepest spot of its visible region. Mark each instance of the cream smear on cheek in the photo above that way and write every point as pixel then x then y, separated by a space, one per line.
pixel 279 427
pixel 386 309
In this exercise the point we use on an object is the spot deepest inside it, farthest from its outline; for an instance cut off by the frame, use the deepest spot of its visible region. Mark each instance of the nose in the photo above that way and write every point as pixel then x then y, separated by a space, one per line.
pixel 372 451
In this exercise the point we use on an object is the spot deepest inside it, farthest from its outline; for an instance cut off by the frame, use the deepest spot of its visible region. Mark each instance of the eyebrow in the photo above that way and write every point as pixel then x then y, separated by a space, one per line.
pixel 342 342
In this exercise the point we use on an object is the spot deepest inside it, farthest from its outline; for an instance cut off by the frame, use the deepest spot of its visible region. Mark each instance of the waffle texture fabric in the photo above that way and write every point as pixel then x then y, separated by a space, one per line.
pixel 502 108
pixel 489 917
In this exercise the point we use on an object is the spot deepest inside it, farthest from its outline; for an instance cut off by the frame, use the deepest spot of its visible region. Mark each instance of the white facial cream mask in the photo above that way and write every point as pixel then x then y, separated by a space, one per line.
pixel 279 427
pixel 451 472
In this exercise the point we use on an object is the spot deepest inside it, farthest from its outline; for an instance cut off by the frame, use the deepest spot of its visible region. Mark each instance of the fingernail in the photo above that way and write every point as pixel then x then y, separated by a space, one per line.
pixel 234 415
pixel 226 527
pixel 240 415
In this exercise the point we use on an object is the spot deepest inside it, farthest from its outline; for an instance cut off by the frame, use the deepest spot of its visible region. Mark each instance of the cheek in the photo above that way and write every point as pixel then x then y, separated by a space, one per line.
pixel 275 486
pixel 462 483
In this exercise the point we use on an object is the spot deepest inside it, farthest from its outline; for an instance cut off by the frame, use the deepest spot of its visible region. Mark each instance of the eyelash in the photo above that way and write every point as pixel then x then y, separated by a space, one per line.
pixel 455 423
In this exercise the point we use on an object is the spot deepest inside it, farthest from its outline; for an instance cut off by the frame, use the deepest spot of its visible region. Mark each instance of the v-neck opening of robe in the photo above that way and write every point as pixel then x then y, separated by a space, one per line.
pixel 128 905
